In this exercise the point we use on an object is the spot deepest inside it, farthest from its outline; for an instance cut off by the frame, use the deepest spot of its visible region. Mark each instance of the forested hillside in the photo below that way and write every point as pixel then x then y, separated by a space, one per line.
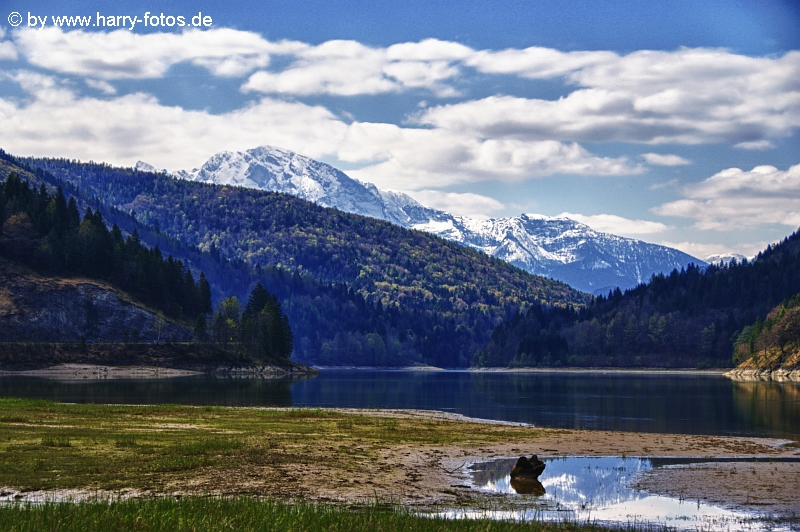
pixel 46 231
pixel 690 318
pixel 356 290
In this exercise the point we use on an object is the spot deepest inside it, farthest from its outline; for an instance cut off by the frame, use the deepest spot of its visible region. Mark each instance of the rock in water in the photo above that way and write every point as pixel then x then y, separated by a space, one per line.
pixel 527 468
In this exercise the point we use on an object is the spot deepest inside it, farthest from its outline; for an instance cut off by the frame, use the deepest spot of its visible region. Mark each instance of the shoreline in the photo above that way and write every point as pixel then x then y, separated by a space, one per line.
pixel 70 371
pixel 764 375
pixel 293 369
pixel 650 371
pixel 426 475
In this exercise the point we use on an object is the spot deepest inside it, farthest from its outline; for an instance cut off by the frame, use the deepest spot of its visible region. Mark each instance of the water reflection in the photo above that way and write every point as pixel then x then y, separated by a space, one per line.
pixel 180 390
pixel 571 480
pixel 769 406
pixel 595 489
pixel 636 402
pixel 527 486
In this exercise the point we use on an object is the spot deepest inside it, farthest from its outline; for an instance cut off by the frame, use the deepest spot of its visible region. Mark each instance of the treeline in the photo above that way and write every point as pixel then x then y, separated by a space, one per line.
pixel 690 318
pixel 356 290
pixel 260 331
pixel 46 232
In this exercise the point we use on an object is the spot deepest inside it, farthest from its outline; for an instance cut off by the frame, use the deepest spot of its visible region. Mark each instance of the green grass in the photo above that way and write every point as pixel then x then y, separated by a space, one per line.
pixel 167 448
pixel 212 514
pixel 56 441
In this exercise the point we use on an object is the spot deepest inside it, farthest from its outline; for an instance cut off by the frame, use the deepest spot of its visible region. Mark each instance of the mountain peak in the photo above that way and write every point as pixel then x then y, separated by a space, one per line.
pixel 557 247
pixel 142 166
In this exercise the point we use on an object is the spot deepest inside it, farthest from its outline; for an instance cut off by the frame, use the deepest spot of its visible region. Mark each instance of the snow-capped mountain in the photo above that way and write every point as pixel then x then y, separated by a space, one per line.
pixel 560 248
pixel 724 258
pixel 566 250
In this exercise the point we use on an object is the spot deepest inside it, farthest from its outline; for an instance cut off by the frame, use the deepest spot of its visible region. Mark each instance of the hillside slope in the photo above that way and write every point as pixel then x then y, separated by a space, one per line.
pixel 770 348
pixel 35 308
pixel 356 290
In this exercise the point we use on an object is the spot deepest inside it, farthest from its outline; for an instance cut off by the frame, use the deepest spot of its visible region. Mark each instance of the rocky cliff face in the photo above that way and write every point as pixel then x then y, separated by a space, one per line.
pixel 35 308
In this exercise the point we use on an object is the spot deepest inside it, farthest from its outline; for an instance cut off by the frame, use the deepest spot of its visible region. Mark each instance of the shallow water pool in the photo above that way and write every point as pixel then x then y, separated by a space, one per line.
pixel 597 489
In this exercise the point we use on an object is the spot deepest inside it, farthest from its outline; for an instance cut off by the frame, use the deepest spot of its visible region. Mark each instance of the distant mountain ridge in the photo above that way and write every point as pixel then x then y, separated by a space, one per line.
pixel 560 248
pixel 569 251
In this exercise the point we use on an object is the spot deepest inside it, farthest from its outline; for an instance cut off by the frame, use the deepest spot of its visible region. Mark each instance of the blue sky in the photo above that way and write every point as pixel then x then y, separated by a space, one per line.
pixel 673 122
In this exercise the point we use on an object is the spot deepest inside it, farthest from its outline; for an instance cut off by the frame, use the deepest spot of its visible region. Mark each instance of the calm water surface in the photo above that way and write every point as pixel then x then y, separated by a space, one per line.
pixel 582 489
pixel 663 402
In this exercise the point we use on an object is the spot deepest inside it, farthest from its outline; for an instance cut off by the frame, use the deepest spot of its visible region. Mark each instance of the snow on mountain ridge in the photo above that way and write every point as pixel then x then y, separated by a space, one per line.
pixel 724 258
pixel 557 247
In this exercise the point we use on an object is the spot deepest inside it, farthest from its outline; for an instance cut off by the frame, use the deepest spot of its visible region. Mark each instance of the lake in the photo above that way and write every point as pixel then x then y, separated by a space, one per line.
pixel 683 403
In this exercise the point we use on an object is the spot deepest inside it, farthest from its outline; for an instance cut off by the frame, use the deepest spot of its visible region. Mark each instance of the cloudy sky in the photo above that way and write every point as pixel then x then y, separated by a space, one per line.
pixel 676 124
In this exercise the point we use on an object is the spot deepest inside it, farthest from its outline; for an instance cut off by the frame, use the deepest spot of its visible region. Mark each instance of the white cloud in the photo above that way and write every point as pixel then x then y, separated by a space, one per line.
pixel 348 68
pixel 338 67
pixel 688 96
pixel 44 89
pixel 760 145
pixel 103 86
pixel 421 158
pixel 611 223
pixel 57 122
pixel 658 159
pixel 703 250
pixel 665 184
pixel 460 204
pixel 124 54
pixel 7 49
pixel 125 129
pixel 429 50
pixel 344 68
pixel 536 62
pixel 734 199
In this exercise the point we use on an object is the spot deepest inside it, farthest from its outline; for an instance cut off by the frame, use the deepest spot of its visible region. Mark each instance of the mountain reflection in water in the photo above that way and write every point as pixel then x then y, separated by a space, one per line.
pixel 581 489
pixel 572 480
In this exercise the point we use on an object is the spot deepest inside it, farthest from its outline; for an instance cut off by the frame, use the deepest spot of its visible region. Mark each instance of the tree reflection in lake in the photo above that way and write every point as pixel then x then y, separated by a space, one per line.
pixel 679 403
pixel 769 406
pixel 179 390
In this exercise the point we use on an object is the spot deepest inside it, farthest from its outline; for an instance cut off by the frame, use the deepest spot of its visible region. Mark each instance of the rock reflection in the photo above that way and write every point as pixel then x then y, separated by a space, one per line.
pixel 527 486
pixel 595 489
pixel 572 481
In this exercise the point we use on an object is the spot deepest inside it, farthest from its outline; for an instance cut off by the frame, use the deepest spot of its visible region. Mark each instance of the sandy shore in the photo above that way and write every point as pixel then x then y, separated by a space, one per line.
pixel 91 371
